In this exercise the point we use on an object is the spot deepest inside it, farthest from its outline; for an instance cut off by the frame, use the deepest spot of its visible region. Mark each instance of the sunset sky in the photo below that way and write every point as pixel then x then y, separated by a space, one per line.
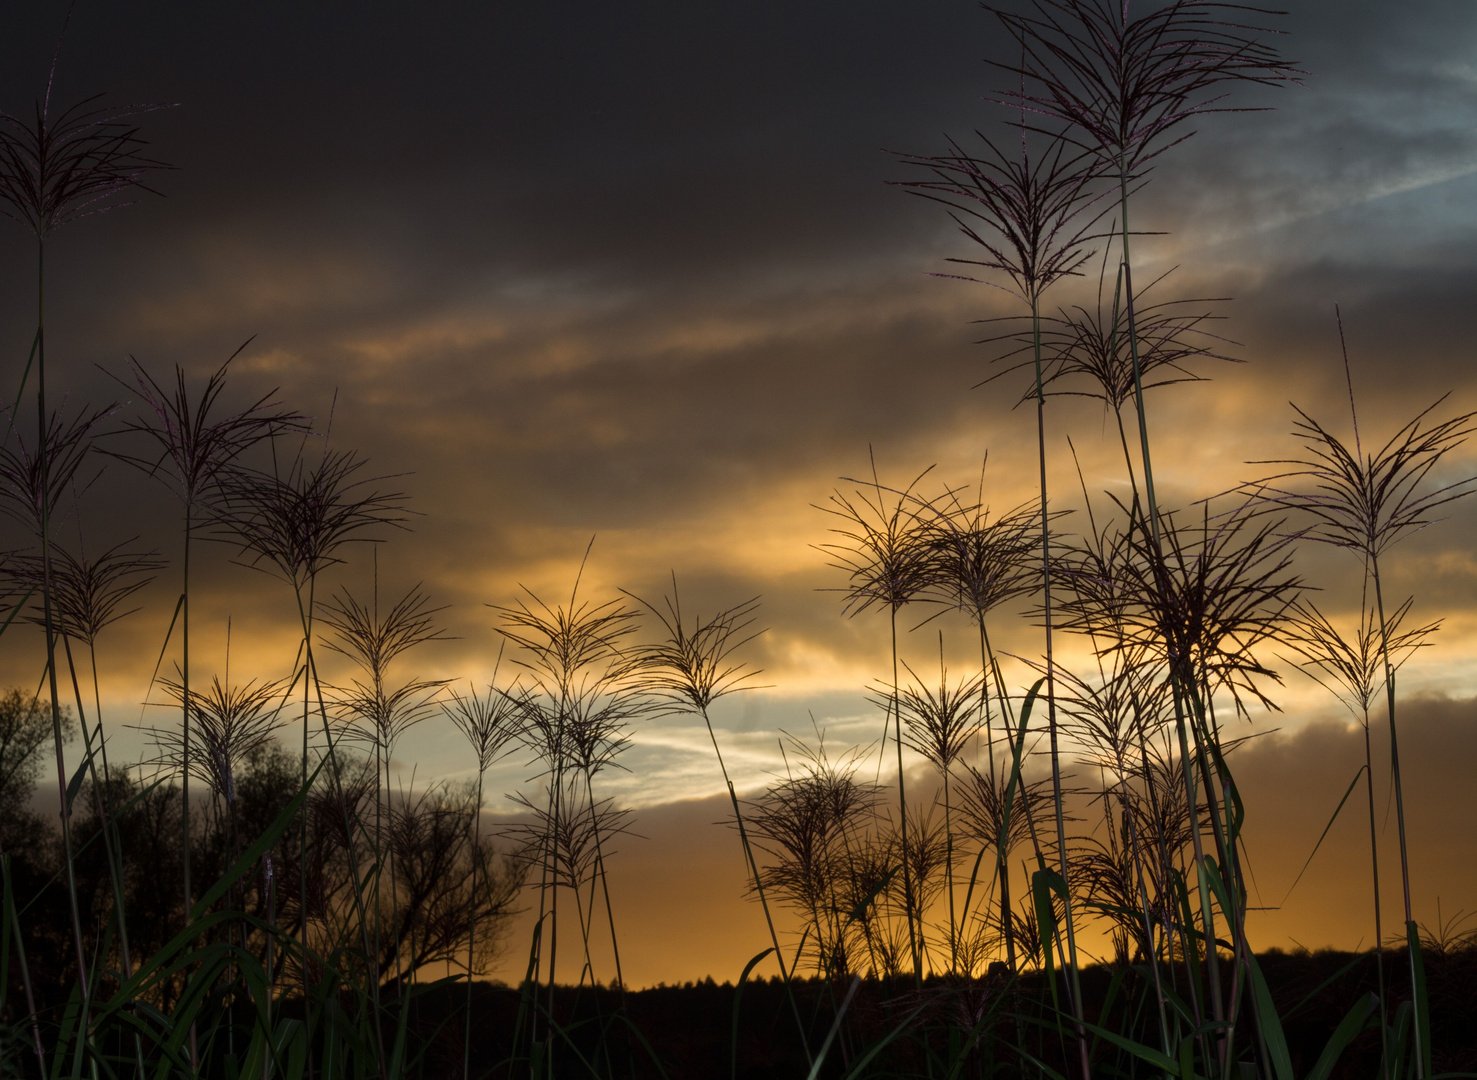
pixel 635 272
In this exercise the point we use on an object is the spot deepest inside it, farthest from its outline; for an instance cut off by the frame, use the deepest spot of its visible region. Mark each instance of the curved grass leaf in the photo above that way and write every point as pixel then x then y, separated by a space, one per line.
pixel 1351 1025
pixel 738 994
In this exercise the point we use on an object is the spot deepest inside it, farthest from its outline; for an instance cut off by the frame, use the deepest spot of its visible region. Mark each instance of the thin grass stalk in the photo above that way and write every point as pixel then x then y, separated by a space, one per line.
pixel 940 728
pixel 1136 711
pixel 584 912
pixel 185 758
pixel 986 665
pixel 488 729
pixel 111 853
pixel 85 983
pixel 605 888
pixel 199 452
pixel 1136 859
pixel 949 876
pixel 1171 932
pixel 1001 842
pixel 1372 551
pixel 1152 507
pixel 548 883
pixel 1416 1027
pixel 557 782
pixel 887 564
pixel 1030 817
pixel 112 840
pixel 49 177
pixel 382 757
pixel 753 868
pixel 1166 930
pixel 472 932
pixel 302 903
pixel 311 681
pixel 1118 286
pixel 373 643
pixel 337 779
pixel 536 956
pixel 1225 851
pixel 11 919
pixel 296 522
pixel 1166 861
pixel 1126 269
pixel 270 958
pixel 1207 917
pixel 97 700
pixel 86 601
pixel 1176 676
pixel 902 800
pixel 563 644
pixel 1352 666
pixel 1153 516
pixel 1231 859
pixel 1149 933
pixel 1379 940
pixel 985 699
pixel 1074 985
pixel 380 798
pixel 1003 839
pixel 1032 206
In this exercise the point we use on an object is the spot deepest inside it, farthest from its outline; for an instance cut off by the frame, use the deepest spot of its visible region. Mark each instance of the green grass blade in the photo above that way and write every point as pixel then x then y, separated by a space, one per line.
pixel 1043 883
pixel 1114 987
pixel 1312 995
pixel 738 994
pixel 1351 1025
pixel 17 609
pixel 253 854
pixel 1324 835
pixel 1187 1060
pixel 820 1058
pixel 1156 1058
pixel 882 1044
pixel 867 901
pixel 1422 1008
pixel 1268 1022
pixel 656 1062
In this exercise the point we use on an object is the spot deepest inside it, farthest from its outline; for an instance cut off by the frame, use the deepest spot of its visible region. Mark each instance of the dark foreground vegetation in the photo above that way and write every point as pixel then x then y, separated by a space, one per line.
pixel 701 1029
pixel 234 908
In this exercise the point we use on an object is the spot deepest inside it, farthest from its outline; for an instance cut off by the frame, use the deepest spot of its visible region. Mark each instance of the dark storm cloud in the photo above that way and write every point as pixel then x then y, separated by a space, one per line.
pixel 646 139
pixel 629 136
pixel 343 168
pixel 571 237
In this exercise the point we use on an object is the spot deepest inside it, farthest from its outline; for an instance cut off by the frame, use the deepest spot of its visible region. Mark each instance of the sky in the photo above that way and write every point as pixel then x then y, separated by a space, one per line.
pixel 638 274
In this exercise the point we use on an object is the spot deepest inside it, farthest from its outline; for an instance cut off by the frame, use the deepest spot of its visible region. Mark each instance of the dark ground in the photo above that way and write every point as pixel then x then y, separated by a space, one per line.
pixel 689 1029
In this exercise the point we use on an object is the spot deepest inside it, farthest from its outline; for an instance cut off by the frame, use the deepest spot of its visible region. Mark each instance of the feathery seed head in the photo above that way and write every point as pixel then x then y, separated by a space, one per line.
pixel 57 169
pixel 1126 83
pixel 883 547
pixel 86 593
pixel 692 664
pixel 228 722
